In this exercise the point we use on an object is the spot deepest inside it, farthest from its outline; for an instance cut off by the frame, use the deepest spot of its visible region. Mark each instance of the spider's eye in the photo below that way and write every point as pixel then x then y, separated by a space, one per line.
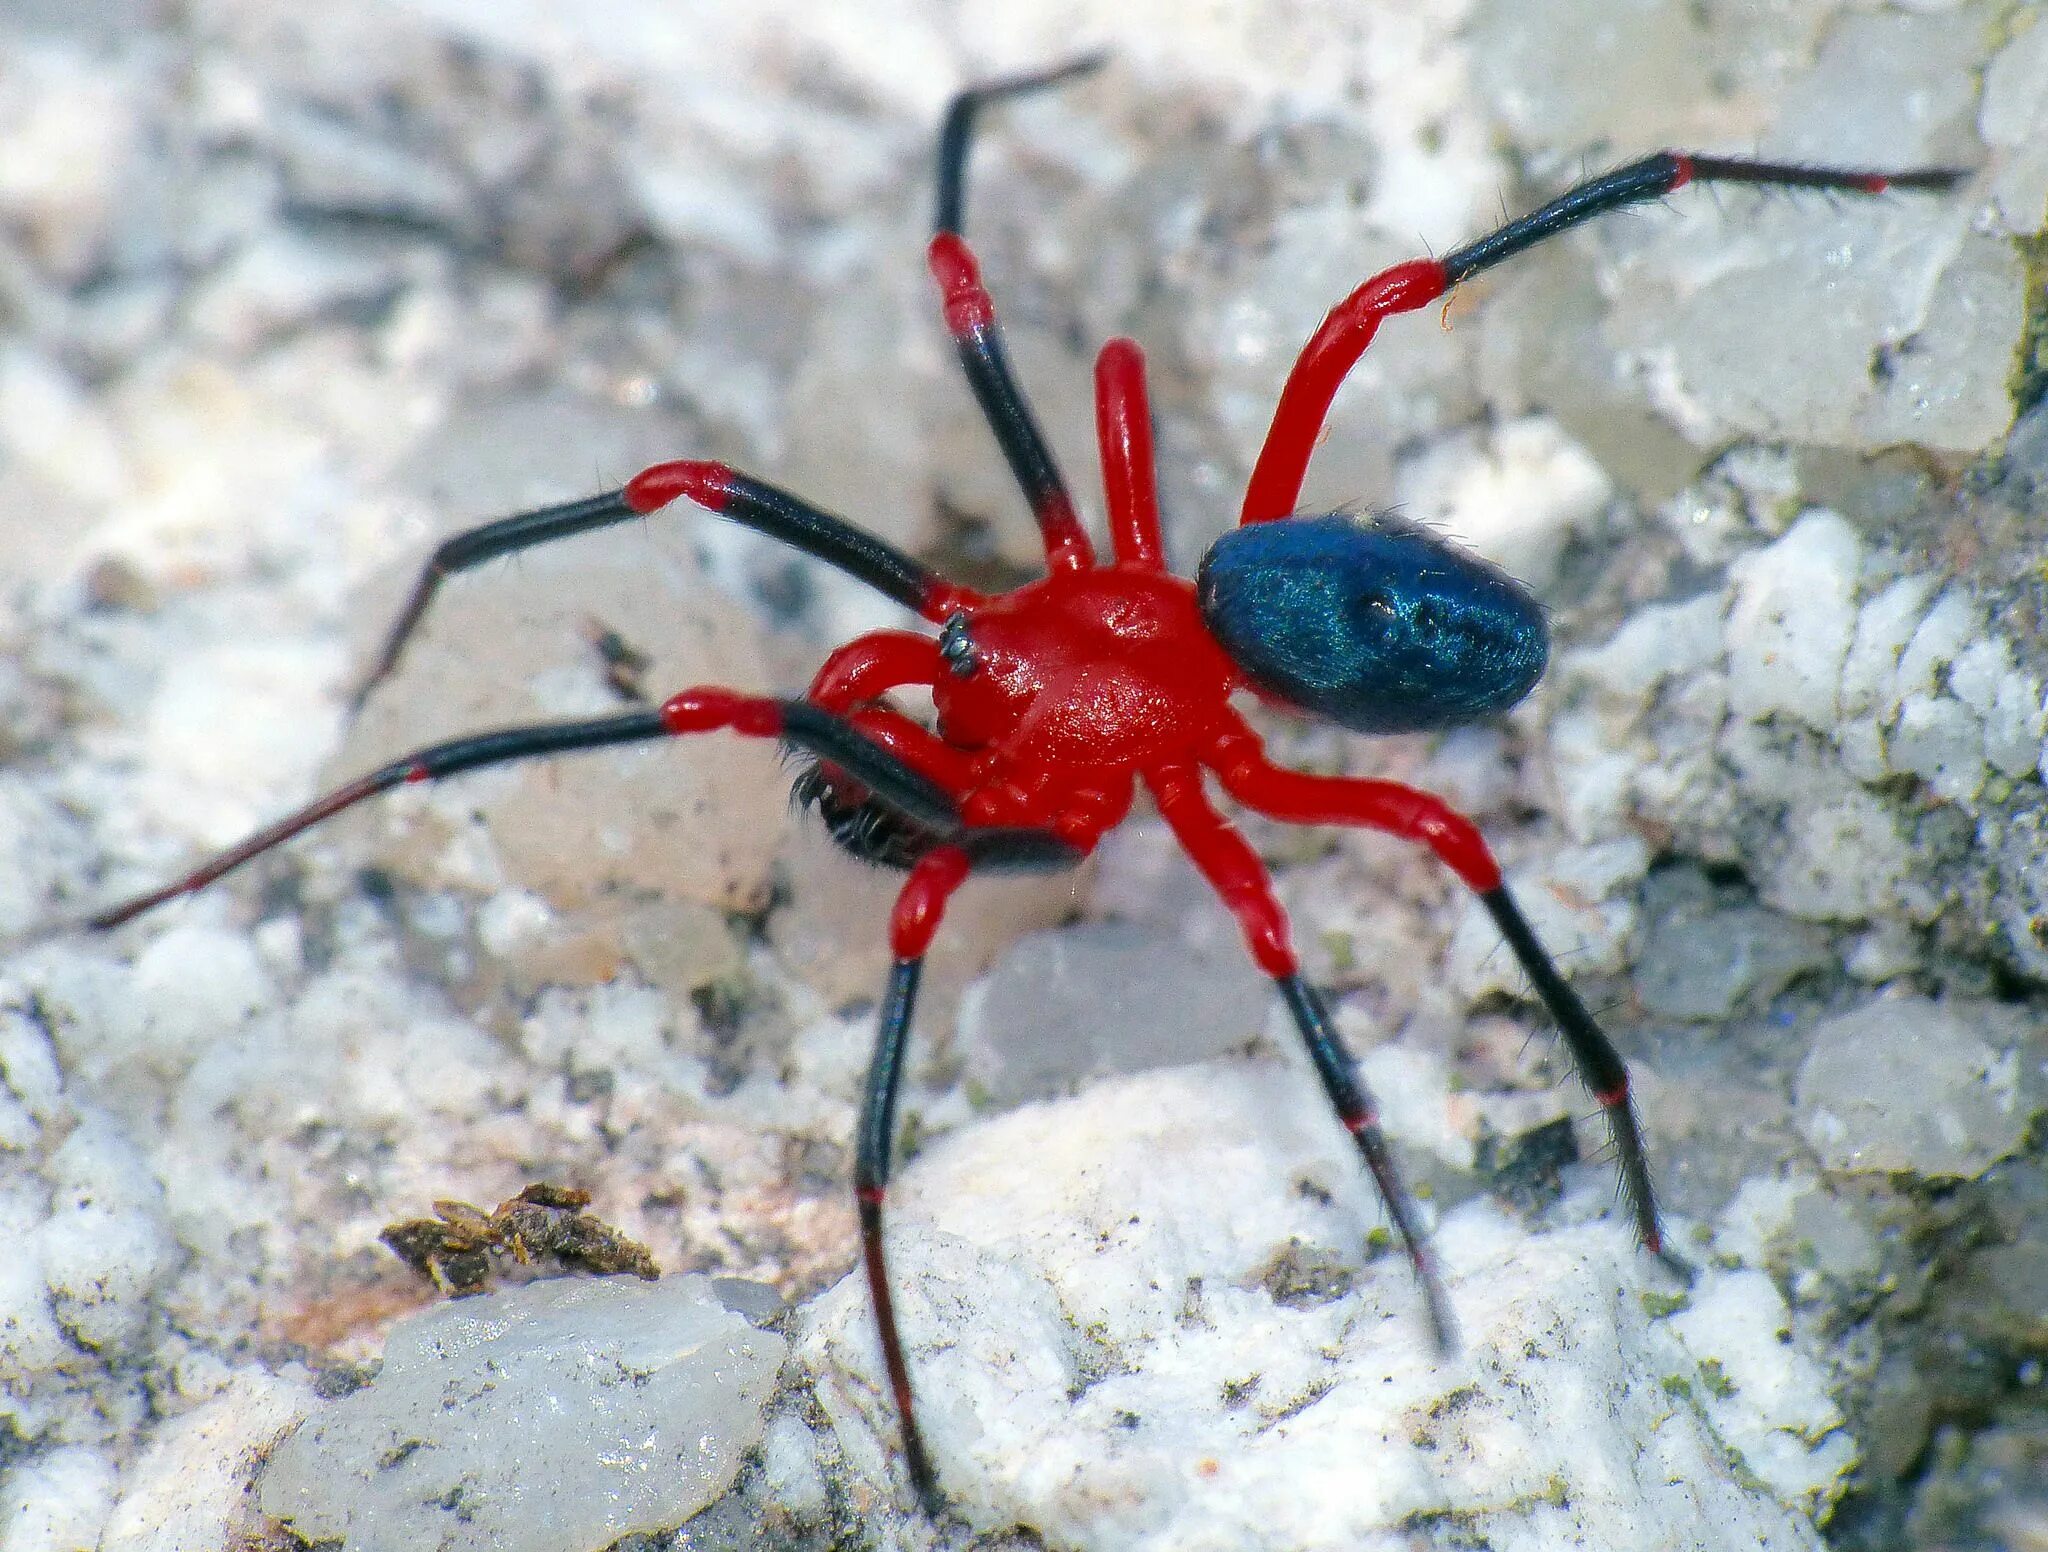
pixel 957 647
pixel 1376 624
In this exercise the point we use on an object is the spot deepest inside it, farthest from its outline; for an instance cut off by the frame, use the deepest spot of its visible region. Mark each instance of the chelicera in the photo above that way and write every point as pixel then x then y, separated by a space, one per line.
pixel 1056 701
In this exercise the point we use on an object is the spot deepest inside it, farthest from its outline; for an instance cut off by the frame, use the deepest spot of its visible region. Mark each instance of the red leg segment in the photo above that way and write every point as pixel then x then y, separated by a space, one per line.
pixel 1325 361
pixel 1234 871
pixel 1240 763
pixel 1123 431
pixel 971 320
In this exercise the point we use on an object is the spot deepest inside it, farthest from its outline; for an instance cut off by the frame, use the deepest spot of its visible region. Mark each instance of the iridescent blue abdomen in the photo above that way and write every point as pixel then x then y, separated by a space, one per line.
pixel 1372 621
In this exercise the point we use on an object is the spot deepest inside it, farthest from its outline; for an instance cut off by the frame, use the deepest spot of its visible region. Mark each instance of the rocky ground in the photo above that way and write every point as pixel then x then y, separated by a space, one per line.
pixel 289 293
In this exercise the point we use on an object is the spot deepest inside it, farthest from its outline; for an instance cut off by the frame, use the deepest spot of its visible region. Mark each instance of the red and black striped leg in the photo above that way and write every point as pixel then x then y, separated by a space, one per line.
pixel 919 909
pixel 1354 1106
pixel 1599 1064
pixel 704 709
pixel 461 754
pixel 1300 798
pixel 1665 173
pixel 712 486
pixel 1234 871
pixel 1332 351
pixel 971 319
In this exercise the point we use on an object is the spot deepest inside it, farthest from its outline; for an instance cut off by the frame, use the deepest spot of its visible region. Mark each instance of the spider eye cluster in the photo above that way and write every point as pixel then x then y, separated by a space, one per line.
pixel 1372 622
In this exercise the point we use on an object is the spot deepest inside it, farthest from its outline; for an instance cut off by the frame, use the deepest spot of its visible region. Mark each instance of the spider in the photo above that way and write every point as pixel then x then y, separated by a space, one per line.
pixel 1055 701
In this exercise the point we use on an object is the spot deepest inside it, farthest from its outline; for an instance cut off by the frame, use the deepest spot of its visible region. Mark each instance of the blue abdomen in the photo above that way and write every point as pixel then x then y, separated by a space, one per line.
pixel 1372 622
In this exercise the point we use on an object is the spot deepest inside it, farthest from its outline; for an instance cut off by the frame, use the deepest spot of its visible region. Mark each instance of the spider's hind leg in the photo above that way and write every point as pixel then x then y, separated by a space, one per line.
pixel 1234 871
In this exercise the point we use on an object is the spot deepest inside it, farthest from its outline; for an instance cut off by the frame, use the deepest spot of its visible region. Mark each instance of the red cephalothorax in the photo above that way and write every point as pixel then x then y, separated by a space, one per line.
pixel 1057 701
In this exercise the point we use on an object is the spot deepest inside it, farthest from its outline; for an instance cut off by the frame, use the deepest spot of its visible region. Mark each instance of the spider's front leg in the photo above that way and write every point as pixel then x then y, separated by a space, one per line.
pixel 1241 765
pixel 714 488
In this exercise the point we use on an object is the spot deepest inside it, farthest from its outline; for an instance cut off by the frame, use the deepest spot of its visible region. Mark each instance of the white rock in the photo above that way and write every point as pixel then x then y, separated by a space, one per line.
pixel 1843 859
pixel 789 1462
pixel 2014 122
pixel 1790 623
pixel 1984 678
pixel 31 1342
pixel 556 1417
pixel 1884 626
pixel 56 1502
pixel 1940 740
pixel 1765 1398
pixel 1656 643
pixel 1097 1354
pixel 193 1482
pixel 72 126
pixel 194 985
pixel 28 1066
pixel 100 1166
pixel 1905 1085
pixel 1074 1003
pixel 1949 627
pixel 100 1267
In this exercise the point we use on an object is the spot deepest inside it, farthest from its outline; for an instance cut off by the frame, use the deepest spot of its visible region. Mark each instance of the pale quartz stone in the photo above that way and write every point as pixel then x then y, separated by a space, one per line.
pixel 1658 642
pixel 1065 1006
pixel 556 1417
pixel 1941 741
pixel 1973 1071
pixel 192 1484
pixel 1884 626
pixel 1953 622
pixel 1843 859
pixel 2014 123
pixel 56 1501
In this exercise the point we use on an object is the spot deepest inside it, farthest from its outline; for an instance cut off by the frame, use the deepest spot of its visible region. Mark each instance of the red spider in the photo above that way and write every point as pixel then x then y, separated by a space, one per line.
pixel 1056 700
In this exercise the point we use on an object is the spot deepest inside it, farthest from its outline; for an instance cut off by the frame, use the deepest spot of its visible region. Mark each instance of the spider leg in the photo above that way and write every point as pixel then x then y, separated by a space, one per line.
pixel 712 486
pixel 1326 360
pixel 971 320
pixel 919 908
pixel 1123 431
pixel 1234 871
pixel 956 131
pixel 1297 798
pixel 699 710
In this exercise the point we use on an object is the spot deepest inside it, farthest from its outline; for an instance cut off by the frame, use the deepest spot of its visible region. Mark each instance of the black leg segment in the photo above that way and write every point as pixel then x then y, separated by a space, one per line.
pixel 749 502
pixel 461 754
pixel 1655 176
pixel 970 318
pixel 956 132
pixel 871 1186
pixel 1354 1107
pixel 1597 1061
